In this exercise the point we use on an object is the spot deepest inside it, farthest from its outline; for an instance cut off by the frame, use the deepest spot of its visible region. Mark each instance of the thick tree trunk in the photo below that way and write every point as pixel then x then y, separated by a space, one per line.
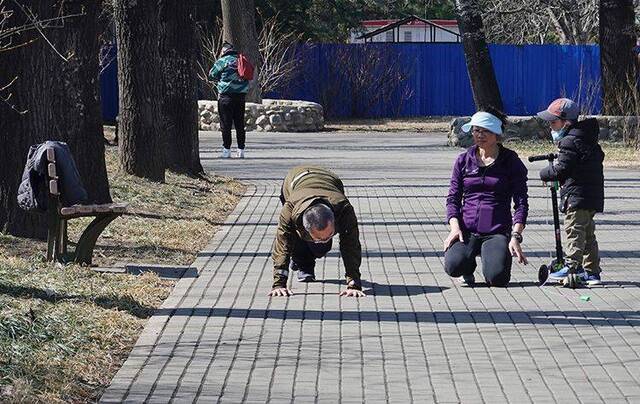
pixel 207 12
pixel 617 60
pixel 26 118
pixel 77 110
pixel 60 101
pixel 486 93
pixel 141 136
pixel 178 51
pixel 239 28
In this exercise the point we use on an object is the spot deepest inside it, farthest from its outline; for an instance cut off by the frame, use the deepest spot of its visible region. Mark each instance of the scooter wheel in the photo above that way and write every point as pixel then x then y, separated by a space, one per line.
pixel 543 274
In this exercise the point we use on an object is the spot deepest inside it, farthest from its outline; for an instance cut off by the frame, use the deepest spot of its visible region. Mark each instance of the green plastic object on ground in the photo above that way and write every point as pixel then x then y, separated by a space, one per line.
pixel 585 298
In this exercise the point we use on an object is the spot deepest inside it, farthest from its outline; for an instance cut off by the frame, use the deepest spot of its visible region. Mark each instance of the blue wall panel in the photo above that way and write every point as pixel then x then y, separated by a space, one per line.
pixel 109 88
pixel 529 77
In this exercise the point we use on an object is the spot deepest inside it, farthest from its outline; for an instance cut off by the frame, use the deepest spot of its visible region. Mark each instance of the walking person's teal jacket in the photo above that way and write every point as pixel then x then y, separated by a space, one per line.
pixel 225 73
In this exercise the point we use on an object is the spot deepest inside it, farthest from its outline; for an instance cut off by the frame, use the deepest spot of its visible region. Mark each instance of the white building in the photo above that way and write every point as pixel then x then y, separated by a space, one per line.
pixel 410 29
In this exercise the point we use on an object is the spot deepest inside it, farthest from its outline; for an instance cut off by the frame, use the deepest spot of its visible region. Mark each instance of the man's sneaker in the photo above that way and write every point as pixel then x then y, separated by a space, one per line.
pixel 226 153
pixel 240 153
pixel 593 279
pixel 467 280
pixel 306 276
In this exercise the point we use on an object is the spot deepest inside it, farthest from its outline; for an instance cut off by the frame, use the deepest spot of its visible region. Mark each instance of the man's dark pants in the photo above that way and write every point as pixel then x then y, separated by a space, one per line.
pixel 305 253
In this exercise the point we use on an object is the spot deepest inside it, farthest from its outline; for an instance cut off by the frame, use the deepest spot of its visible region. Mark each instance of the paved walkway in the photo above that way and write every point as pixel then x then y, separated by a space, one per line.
pixel 417 337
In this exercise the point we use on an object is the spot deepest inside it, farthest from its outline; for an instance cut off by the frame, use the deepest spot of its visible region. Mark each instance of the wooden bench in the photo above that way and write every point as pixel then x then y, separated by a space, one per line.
pixel 58 216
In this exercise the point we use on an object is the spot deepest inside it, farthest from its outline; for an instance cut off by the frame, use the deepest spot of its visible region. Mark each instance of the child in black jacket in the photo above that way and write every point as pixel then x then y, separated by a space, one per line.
pixel 580 173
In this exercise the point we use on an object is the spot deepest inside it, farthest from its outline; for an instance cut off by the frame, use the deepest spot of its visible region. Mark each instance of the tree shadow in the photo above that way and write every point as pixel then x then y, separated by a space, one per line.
pixel 105 301
pixel 381 289
pixel 600 318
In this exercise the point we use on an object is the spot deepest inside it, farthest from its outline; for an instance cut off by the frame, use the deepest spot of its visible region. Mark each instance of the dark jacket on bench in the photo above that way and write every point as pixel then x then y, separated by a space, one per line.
pixel 33 189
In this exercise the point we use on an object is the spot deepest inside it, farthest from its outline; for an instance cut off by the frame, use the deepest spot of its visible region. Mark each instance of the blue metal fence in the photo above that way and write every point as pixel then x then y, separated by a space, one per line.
pixel 109 86
pixel 529 77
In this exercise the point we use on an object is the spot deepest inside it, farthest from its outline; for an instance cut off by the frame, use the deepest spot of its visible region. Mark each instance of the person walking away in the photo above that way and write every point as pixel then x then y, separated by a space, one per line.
pixel 232 91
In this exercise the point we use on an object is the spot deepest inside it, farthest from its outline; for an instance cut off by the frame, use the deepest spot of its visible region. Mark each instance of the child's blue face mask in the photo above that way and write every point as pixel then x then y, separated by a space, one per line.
pixel 558 134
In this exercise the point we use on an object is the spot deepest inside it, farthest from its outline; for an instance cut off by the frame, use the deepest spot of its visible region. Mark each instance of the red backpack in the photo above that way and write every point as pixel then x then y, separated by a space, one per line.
pixel 245 68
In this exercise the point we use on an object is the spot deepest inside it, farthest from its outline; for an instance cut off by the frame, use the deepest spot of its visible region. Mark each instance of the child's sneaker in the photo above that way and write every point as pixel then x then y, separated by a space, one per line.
pixel 563 272
pixel 593 279
pixel 240 153
pixel 467 280
pixel 226 153
pixel 559 274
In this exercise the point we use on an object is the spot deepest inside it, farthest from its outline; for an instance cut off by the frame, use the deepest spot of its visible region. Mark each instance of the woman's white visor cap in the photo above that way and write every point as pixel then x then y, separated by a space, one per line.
pixel 484 120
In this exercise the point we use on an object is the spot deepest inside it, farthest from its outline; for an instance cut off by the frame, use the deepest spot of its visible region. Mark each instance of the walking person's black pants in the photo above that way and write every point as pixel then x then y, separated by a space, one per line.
pixel 231 111
pixel 460 258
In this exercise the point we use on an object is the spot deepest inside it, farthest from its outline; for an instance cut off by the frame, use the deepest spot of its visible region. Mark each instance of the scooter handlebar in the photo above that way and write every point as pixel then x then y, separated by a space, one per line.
pixel 549 157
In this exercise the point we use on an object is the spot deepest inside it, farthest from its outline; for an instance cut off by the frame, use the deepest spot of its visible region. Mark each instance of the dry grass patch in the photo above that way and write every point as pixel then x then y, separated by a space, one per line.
pixel 617 154
pixel 166 223
pixel 66 330
pixel 420 125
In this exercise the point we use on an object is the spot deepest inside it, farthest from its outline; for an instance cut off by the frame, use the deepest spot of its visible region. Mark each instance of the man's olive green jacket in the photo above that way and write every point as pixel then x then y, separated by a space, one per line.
pixel 305 186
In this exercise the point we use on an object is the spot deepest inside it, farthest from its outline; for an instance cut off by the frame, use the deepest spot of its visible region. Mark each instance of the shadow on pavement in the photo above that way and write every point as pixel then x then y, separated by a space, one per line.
pixel 381 289
pixel 604 318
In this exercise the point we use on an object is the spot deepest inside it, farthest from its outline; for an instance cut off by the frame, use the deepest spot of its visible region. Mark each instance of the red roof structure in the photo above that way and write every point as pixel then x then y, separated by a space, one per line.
pixel 430 26
pixel 382 23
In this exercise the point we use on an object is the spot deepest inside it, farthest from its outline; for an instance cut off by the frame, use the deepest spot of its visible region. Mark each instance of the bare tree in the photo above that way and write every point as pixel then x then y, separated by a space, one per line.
pixel 486 93
pixel 370 76
pixel 617 60
pixel 49 56
pixel 210 46
pixel 541 21
pixel 26 117
pixel 141 138
pixel 10 32
pixel 106 36
pixel 239 28
pixel 277 51
pixel 15 33
pixel 75 86
pixel 178 50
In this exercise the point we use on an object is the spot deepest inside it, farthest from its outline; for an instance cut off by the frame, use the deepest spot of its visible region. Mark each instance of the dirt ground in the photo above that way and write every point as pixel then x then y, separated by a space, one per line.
pixel 420 125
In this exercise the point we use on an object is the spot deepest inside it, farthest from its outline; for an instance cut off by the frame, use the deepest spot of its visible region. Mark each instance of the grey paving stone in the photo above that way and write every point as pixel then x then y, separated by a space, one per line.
pixel 418 336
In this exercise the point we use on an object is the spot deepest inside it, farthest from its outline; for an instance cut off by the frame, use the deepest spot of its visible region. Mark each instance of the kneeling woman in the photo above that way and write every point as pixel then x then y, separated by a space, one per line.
pixel 485 179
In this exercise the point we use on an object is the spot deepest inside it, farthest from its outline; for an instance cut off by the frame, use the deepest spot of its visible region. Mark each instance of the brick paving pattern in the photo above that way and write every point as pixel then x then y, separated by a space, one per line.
pixel 418 336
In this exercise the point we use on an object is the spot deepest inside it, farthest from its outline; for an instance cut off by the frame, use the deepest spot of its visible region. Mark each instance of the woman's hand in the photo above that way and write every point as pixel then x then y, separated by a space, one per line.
pixel 516 251
pixel 454 235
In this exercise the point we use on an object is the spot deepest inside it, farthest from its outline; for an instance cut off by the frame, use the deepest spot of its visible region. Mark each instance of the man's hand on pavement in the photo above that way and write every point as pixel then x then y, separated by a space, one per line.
pixel 352 293
pixel 284 292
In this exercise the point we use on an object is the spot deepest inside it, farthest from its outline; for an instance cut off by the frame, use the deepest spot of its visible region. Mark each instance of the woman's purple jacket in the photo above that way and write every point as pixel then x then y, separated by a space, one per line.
pixel 480 196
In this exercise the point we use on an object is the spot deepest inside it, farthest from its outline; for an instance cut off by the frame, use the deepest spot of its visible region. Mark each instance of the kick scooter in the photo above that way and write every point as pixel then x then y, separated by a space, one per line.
pixel 573 280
